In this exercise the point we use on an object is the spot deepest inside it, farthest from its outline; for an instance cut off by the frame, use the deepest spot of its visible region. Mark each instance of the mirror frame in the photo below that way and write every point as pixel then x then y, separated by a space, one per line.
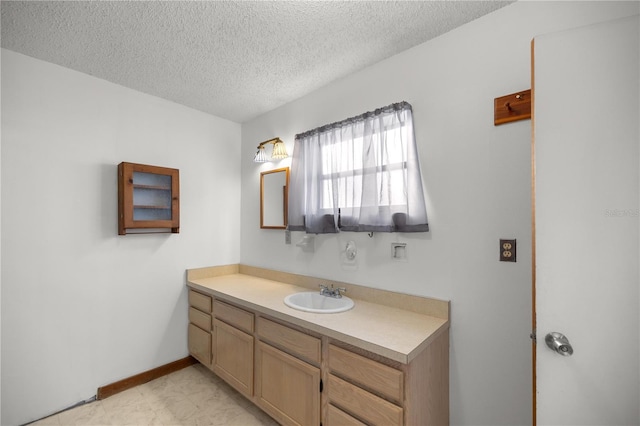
pixel 285 198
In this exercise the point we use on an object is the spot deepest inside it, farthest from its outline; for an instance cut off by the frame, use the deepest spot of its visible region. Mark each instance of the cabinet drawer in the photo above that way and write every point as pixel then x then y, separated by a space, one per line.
pixel 200 301
pixel 200 344
pixel 200 319
pixel 232 315
pixel 372 409
pixel 337 417
pixel 368 373
pixel 294 341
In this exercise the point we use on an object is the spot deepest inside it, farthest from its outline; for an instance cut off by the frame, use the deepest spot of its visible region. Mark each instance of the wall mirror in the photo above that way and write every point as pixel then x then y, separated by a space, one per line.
pixel 274 187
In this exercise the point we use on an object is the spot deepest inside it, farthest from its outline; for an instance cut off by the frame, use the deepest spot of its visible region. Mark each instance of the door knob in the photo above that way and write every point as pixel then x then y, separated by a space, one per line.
pixel 558 342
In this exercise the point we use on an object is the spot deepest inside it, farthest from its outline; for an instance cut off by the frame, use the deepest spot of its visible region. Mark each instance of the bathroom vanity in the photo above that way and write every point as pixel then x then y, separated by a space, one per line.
pixel 383 362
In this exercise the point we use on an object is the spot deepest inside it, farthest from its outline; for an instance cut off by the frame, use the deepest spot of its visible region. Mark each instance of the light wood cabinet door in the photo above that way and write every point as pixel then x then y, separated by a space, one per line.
pixel 286 387
pixel 233 356
pixel 199 342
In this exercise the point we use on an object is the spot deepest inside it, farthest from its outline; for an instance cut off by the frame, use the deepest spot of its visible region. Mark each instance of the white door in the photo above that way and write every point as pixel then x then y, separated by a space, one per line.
pixel 587 185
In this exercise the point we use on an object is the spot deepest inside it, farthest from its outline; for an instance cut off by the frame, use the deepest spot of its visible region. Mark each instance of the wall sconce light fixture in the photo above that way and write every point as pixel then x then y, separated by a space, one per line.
pixel 279 151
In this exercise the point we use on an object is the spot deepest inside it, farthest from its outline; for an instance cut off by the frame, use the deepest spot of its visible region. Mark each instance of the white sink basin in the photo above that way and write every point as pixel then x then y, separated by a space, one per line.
pixel 315 302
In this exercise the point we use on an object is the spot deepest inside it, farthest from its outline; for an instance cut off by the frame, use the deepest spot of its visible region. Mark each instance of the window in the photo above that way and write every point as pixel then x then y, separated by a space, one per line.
pixel 361 174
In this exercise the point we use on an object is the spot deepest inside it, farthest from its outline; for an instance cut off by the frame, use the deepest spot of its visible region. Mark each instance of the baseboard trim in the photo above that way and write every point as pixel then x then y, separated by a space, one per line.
pixel 139 379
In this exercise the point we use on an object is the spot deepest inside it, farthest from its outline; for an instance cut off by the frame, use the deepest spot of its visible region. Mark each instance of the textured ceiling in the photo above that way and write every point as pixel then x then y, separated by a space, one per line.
pixel 232 59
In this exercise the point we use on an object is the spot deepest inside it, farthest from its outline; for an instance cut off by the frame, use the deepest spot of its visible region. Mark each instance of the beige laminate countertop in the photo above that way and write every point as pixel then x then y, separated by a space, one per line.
pixel 394 333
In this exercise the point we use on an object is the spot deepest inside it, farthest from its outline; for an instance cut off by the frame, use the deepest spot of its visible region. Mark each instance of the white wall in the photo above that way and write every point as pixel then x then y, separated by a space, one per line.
pixel 81 306
pixel 477 181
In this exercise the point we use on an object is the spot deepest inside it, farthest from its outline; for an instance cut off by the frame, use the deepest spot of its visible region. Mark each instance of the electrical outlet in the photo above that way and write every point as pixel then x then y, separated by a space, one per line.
pixel 507 250
pixel 287 237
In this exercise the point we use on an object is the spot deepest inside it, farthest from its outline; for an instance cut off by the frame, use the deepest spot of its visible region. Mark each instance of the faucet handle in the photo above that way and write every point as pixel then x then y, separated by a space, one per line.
pixel 338 291
pixel 323 289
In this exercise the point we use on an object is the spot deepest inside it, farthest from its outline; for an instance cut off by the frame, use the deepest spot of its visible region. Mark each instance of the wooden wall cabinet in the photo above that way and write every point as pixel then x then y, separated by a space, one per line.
pixel 148 199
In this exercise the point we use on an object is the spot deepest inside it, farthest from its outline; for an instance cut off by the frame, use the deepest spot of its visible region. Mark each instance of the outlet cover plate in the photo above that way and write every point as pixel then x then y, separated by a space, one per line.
pixel 507 250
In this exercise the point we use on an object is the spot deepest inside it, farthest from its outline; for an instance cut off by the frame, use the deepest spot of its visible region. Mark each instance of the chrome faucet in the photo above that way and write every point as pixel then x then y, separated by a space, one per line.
pixel 332 292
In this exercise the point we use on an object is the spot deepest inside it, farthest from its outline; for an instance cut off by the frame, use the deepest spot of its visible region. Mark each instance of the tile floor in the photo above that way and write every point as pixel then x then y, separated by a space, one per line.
pixel 191 396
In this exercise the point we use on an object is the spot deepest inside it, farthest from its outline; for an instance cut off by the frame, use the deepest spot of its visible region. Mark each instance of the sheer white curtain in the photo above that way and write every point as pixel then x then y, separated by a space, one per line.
pixel 361 174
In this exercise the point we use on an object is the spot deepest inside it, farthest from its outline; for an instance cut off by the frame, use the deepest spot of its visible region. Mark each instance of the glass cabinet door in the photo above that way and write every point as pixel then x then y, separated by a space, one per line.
pixel 151 196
